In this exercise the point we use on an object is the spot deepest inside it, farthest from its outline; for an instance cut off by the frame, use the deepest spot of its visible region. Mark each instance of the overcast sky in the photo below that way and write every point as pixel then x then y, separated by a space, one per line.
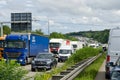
pixel 65 15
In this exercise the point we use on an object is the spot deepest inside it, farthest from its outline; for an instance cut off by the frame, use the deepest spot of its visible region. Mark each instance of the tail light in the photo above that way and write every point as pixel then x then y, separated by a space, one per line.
pixel 108 58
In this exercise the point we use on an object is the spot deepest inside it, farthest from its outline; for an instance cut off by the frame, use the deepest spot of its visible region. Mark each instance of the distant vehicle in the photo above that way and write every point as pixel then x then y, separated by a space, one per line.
pixel 94 45
pixel 2 40
pixel 65 52
pixel 115 73
pixel 24 47
pixel 55 44
pixel 44 61
pixel 77 45
pixel 113 52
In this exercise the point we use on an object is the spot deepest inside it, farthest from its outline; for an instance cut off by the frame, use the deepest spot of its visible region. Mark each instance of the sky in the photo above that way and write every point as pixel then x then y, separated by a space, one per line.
pixel 65 16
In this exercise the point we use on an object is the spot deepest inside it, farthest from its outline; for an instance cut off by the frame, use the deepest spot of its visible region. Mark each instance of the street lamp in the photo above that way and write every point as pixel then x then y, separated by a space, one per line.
pixel 48 27
pixel 1 24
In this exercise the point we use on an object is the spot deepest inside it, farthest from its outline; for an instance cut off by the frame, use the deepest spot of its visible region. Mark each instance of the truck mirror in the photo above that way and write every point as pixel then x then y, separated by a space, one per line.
pixel 104 49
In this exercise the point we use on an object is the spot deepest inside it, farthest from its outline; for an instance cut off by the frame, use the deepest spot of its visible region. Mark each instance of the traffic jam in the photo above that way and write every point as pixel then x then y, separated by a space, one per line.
pixel 37 50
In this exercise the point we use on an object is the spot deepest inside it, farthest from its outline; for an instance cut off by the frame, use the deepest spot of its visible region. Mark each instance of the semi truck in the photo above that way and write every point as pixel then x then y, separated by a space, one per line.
pixel 23 47
pixel 113 52
pixel 55 44
pixel 2 39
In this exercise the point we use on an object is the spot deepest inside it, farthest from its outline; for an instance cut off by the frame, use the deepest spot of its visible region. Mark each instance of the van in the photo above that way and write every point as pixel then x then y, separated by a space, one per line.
pixel 113 52
pixel 65 52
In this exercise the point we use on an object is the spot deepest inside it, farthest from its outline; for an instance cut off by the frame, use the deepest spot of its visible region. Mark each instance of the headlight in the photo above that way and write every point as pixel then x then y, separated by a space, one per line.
pixel 33 61
pixel 48 62
pixel 20 60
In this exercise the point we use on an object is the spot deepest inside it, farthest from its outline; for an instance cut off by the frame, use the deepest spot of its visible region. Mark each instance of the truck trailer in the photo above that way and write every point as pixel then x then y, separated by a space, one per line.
pixel 23 47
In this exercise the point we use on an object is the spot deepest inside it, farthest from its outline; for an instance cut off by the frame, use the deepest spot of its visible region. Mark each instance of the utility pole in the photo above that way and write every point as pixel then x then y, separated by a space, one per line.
pixel 1 24
pixel 48 27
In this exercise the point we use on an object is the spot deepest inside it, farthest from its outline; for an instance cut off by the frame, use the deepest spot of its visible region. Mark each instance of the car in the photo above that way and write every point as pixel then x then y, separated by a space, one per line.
pixel 44 61
pixel 115 73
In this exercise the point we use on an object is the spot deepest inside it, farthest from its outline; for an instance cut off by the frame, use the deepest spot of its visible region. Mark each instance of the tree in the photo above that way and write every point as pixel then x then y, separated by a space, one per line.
pixel 56 35
pixel 6 30
pixel 38 31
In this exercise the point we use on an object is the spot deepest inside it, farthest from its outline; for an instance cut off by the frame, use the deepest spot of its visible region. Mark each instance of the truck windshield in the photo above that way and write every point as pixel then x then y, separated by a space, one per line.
pixel 1 43
pixel 65 51
pixel 74 46
pixel 54 45
pixel 14 44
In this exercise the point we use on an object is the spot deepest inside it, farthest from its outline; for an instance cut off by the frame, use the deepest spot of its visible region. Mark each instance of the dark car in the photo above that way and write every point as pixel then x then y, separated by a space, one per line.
pixel 115 73
pixel 44 61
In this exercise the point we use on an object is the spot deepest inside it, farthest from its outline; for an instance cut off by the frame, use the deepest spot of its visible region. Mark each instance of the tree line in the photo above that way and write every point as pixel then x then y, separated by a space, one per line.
pixel 100 36
pixel 7 30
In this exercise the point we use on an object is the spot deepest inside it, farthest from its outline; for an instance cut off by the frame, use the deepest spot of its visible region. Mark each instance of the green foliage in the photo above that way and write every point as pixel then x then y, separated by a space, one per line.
pixel 90 72
pixel 59 35
pixel 56 35
pixel 38 31
pixel 76 57
pixel 6 30
pixel 82 54
pixel 11 71
pixel 100 36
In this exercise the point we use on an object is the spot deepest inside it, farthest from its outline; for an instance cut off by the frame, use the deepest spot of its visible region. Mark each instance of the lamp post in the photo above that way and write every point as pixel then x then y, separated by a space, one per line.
pixel 1 24
pixel 48 27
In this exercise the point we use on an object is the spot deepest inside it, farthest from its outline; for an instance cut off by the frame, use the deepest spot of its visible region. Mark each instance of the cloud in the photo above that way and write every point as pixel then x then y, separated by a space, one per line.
pixel 65 15
pixel 104 4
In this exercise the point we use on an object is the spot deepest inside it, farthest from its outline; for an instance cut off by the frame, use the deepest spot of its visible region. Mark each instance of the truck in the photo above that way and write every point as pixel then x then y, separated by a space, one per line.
pixel 77 45
pixel 113 52
pixel 55 44
pixel 23 47
pixel 2 40
pixel 65 51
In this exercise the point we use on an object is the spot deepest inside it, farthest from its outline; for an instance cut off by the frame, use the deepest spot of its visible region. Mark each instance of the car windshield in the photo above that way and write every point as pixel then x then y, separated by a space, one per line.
pixel 14 44
pixel 54 45
pixel 65 51
pixel 115 75
pixel 44 56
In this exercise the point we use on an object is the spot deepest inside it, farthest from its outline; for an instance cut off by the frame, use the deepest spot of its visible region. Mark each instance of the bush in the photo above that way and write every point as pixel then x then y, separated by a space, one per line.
pixel 11 71
pixel 82 54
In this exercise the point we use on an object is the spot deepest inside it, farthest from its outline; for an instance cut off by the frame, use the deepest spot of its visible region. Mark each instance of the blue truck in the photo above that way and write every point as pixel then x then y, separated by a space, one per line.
pixel 24 47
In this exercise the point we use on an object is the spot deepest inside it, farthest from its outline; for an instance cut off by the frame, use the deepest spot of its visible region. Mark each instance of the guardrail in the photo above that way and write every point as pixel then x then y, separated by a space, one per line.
pixel 73 71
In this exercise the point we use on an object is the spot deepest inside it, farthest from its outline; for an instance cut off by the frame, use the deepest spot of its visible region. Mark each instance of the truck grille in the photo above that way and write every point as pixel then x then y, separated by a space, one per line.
pixel 13 55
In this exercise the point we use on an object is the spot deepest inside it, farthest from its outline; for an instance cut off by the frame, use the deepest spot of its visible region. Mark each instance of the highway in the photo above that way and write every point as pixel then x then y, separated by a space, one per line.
pixel 101 73
pixel 32 74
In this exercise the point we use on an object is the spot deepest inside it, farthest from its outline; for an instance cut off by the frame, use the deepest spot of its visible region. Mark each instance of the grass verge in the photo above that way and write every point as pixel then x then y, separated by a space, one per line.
pixel 90 72
pixel 76 57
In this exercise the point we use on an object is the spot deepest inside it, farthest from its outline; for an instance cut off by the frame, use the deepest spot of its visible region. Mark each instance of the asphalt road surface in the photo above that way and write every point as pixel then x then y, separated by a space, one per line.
pixel 32 74
pixel 101 73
